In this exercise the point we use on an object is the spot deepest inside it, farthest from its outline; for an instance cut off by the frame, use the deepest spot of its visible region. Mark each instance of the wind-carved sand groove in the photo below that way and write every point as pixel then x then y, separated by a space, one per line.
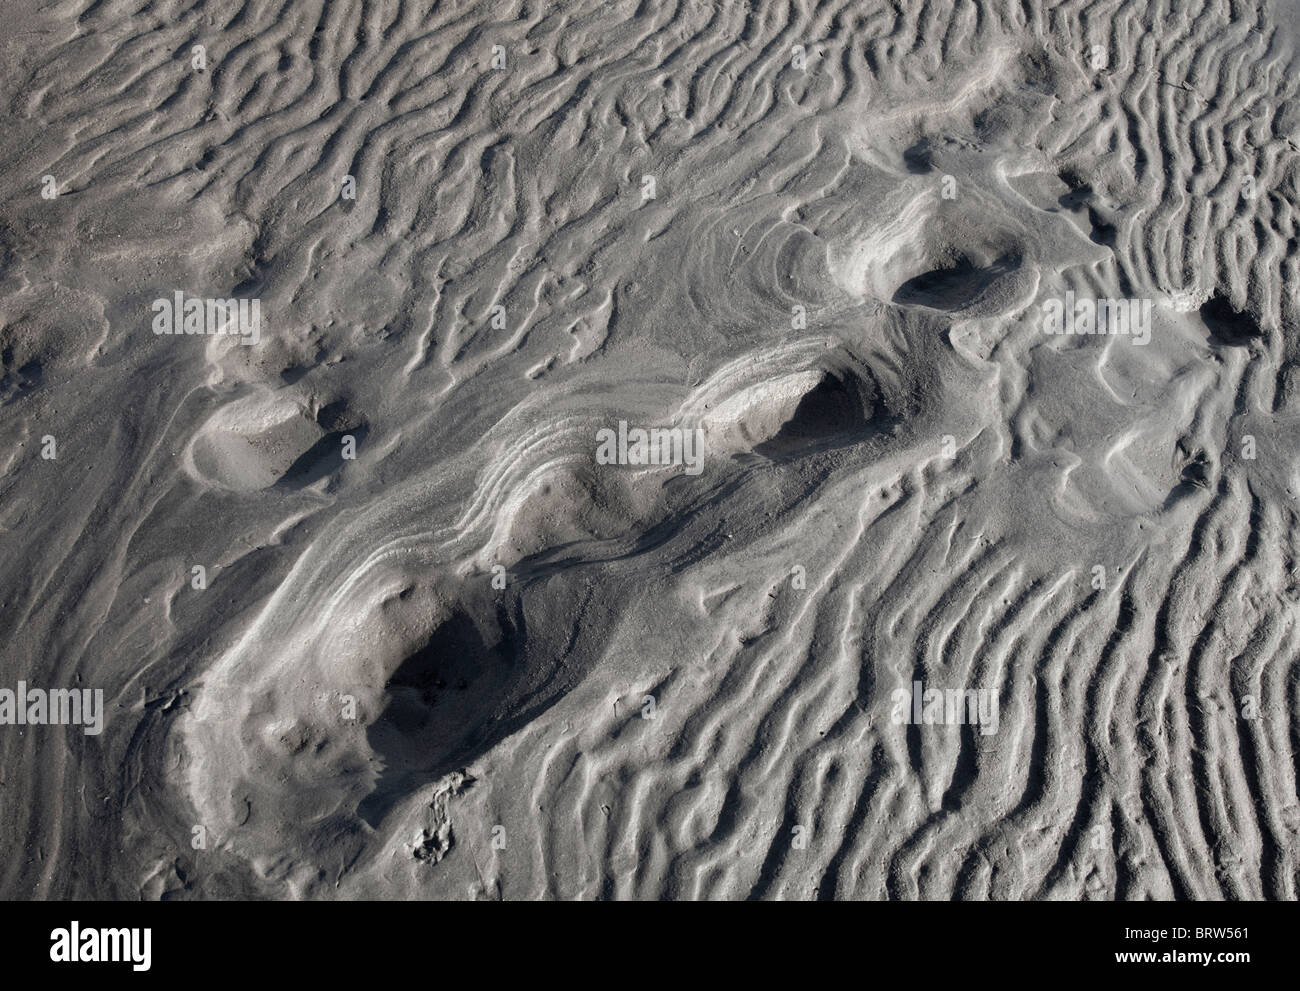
pixel 943 476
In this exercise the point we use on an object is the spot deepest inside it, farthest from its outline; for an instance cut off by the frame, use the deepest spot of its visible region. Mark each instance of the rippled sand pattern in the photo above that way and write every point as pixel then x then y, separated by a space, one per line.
pixel 819 234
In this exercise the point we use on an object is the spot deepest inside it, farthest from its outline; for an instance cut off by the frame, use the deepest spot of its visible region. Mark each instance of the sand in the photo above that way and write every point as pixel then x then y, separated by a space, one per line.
pixel 887 585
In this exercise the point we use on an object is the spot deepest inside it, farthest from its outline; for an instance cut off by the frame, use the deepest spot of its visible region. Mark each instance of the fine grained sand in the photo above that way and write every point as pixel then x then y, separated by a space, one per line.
pixel 678 685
